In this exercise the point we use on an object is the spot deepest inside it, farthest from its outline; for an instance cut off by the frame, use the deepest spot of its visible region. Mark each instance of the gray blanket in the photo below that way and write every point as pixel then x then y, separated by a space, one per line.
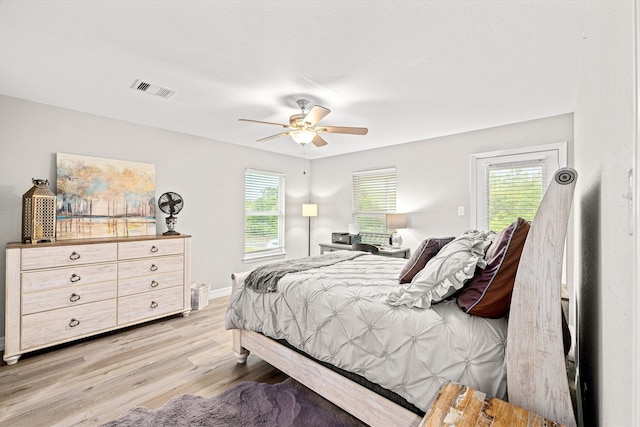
pixel 265 278
pixel 339 314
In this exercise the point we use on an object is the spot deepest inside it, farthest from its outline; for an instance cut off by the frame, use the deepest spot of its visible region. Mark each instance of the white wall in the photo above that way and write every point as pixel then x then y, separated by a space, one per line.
pixel 208 174
pixel 433 177
pixel 604 151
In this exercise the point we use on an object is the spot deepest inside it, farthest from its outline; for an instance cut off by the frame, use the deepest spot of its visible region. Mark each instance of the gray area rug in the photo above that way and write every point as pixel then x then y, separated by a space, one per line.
pixel 246 404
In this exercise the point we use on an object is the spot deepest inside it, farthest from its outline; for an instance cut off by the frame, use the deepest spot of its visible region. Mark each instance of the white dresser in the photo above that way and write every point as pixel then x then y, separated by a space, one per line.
pixel 58 292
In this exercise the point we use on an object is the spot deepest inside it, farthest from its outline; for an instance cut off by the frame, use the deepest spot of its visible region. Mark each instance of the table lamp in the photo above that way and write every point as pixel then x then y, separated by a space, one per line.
pixel 394 222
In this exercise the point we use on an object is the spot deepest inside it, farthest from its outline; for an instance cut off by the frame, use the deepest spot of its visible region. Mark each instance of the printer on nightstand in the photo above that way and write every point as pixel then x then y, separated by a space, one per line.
pixel 345 238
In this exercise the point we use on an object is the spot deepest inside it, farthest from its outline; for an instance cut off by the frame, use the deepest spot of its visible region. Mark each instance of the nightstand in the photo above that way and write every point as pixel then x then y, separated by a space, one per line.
pixel 394 253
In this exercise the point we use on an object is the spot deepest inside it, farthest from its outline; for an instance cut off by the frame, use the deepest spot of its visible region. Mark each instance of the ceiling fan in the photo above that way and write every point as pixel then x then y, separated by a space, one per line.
pixel 303 127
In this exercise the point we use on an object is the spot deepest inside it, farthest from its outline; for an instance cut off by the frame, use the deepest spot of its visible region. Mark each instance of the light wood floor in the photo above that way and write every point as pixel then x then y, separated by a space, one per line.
pixel 96 380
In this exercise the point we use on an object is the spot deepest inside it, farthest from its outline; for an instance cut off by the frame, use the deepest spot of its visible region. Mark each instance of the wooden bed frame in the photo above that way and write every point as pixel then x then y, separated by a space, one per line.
pixel 536 370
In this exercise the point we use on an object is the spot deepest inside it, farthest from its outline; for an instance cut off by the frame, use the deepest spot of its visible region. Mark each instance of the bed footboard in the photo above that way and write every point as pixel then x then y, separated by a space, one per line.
pixel 240 352
pixel 357 400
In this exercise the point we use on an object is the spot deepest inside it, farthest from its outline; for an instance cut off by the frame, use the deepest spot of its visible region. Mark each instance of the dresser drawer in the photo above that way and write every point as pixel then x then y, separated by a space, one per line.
pixel 148 267
pixel 150 248
pixel 64 324
pixel 149 305
pixel 35 281
pixel 63 256
pixel 136 285
pixel 71 296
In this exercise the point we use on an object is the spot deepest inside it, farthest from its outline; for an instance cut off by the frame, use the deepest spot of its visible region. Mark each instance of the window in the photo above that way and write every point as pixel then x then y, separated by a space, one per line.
pixel 510 184
pixel 374 196
pixel 263 213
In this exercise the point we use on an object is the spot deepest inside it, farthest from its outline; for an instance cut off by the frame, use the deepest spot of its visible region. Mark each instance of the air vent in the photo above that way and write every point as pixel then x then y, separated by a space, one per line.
pixel 152 89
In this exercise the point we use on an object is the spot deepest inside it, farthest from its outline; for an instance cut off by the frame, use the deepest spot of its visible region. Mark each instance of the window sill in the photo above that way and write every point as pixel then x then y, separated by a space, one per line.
pixel 262 257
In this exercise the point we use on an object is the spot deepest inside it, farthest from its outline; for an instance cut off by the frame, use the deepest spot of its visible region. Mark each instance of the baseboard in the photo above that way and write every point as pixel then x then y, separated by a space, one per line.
pixel 218 293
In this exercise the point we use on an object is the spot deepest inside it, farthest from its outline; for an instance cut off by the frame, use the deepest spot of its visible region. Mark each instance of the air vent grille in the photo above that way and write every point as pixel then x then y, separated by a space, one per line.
pixel 152 89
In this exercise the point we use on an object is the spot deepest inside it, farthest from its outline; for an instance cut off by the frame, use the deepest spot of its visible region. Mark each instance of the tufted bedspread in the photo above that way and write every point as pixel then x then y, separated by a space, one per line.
pixel 338 314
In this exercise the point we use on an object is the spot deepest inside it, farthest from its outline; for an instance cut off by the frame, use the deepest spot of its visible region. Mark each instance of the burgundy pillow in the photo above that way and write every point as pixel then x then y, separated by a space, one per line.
pixel 488 294
pixel 427 250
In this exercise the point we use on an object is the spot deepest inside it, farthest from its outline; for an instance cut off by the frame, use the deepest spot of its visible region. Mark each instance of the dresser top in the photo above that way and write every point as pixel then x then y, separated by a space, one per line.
pixel 66 242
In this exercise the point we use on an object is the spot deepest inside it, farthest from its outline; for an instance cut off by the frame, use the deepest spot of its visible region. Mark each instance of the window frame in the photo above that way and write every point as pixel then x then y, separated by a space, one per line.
pixel 280 250
pixel 481 161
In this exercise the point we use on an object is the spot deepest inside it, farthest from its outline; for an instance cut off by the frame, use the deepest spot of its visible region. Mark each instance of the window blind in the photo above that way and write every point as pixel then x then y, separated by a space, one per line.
pixel 374 195
pixel 264 213
pixel 514 190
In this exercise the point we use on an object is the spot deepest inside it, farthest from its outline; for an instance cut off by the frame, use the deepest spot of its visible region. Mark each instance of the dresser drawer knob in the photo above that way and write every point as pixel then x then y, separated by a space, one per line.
pixel 74 256
pixel 153 304
pixel 154 249
pixel 153 267
pixel 74 278
pixel 154 284
pixel 74 297
pixel 73 323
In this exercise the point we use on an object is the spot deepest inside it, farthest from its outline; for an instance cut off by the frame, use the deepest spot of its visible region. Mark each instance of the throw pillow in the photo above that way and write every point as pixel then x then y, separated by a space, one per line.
pixel 446 272
pixel 489 292
pixel 427 250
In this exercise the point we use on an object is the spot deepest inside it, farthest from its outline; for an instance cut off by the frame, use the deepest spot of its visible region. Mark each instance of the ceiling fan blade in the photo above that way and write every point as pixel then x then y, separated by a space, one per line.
pixel 316 114
pixel 343 129
pixel 274 136
pixel 260 121
pixel 318 141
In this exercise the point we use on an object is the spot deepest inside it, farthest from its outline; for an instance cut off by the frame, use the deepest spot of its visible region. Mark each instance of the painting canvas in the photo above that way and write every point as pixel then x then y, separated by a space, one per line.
pixel 99 197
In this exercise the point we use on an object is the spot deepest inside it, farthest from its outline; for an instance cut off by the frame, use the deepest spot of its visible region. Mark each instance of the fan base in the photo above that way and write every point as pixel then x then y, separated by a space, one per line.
pixel 170 233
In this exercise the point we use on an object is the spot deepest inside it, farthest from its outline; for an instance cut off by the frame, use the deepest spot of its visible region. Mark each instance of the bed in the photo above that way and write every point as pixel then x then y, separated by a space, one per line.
pixel 344 326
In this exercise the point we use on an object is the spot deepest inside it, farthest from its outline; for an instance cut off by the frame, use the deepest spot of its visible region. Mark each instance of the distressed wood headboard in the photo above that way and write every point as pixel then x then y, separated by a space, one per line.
pixel 536 368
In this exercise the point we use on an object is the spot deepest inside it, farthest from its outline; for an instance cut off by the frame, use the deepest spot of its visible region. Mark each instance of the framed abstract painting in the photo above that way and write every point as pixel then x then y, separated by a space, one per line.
pixel 99 197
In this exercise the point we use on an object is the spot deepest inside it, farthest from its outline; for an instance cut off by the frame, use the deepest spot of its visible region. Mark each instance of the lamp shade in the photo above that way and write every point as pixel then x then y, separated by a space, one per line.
pixel 309 209
pixel 396 221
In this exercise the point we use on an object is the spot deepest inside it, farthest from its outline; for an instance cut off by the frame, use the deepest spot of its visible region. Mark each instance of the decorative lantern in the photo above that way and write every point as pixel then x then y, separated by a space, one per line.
pixel 39 213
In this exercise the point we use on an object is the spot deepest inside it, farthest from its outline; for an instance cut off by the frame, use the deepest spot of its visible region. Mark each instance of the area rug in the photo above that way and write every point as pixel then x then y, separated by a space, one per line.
pixel 246 404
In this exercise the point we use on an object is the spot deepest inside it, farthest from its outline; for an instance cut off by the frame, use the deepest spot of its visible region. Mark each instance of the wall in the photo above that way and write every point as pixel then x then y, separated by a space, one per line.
pixel 433 177
pixel 208 174
pixel 604 151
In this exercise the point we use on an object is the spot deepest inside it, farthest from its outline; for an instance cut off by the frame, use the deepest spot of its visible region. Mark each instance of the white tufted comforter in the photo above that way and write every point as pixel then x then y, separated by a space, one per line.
pixel 338 314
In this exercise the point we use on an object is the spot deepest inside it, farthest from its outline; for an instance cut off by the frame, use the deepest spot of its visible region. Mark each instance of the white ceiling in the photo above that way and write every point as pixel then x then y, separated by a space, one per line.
pixel 407 70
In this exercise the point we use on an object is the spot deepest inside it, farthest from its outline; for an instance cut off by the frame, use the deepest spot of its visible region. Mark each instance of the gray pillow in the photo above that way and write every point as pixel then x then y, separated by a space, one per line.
pixel 446 272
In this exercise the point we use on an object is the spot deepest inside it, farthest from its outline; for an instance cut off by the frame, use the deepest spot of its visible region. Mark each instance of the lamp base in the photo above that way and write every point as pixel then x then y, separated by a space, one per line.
pixel 396 240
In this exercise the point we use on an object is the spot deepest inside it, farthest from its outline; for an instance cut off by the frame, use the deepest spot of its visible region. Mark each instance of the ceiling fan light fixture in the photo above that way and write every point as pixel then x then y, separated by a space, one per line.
pixel 302 137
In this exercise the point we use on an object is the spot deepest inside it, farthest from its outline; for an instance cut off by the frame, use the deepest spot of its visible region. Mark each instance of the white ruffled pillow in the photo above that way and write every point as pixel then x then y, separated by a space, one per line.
pixel 445 273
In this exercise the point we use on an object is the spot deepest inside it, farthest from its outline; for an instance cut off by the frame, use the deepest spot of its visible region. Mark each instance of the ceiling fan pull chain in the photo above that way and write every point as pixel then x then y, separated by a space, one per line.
pixel 304 160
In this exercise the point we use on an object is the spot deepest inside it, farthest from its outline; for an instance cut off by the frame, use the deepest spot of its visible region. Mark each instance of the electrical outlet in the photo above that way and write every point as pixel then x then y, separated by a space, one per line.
pixel 460 210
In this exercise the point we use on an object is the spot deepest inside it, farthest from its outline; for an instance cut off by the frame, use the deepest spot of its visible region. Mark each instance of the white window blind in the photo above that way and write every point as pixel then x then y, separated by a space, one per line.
pixel 264 213
pixel 374 195
pixel 514 190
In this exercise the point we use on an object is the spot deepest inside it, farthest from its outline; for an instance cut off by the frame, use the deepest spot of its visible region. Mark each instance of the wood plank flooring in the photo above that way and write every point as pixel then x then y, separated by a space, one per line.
pixel 95 380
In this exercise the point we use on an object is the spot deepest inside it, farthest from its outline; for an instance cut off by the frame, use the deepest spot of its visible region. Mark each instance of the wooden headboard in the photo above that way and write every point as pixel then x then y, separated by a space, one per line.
pixel 536 368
